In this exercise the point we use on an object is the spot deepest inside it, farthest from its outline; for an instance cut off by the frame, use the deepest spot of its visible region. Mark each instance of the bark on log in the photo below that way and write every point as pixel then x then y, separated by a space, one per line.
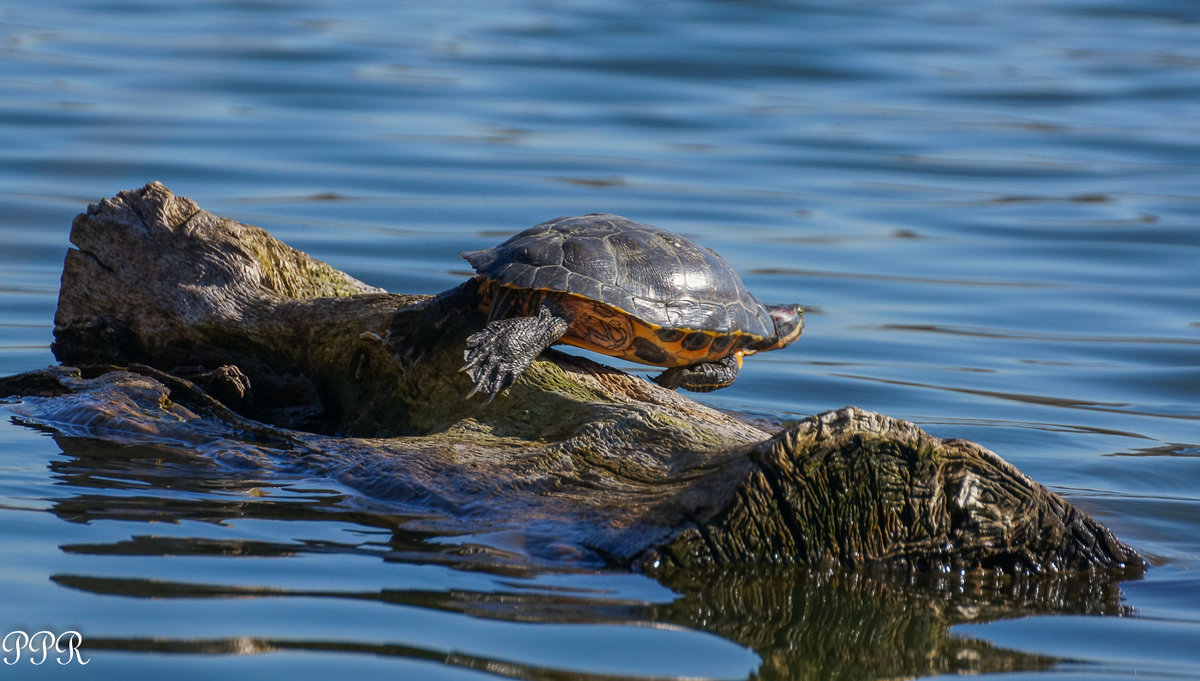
pixel 580 459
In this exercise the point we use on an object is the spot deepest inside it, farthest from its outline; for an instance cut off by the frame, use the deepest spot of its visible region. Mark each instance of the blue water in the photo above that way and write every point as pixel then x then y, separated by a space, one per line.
pixel 990 210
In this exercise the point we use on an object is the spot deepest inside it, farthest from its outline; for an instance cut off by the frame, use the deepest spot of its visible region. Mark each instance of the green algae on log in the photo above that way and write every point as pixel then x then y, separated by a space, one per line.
pixel 582 460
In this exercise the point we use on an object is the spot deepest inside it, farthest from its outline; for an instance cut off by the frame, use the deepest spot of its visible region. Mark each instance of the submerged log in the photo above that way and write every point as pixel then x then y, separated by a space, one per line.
pixel 582 461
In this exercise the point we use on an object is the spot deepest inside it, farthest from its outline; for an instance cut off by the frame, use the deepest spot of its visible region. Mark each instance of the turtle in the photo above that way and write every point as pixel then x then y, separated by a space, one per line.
pixel 621 288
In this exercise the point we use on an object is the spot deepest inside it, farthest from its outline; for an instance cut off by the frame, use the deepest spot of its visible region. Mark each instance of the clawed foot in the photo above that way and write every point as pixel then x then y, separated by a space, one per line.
pixel 693 378
pixel 702 378
pixel 491 362
pixel 671 378
pixel 504 349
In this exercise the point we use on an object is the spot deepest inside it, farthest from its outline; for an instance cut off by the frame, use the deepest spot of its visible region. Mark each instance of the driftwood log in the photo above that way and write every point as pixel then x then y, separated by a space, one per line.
pixel 310 366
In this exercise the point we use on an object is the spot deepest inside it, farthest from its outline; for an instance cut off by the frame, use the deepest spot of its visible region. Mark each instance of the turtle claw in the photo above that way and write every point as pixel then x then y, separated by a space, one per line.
pixel 669 379
pixel 487 364
pixel 475 389
pixel 504 349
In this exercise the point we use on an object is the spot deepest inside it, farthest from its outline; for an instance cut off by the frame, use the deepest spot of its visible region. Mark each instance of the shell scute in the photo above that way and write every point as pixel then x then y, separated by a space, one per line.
pixel 520 276
pixel 616 296
pixel 589 256
pixel 583 285
pixel 551 278
pixel 648 309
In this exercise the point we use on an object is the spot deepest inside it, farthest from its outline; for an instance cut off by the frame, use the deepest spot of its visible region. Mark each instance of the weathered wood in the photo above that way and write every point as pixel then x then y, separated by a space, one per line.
pixel 580 459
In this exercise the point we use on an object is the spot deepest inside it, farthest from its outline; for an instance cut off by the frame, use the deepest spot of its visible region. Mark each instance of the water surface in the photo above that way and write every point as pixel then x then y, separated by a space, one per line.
pixel 989 209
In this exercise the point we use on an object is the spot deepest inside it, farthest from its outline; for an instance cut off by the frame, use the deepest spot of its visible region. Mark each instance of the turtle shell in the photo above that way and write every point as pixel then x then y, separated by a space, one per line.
pixel 653 275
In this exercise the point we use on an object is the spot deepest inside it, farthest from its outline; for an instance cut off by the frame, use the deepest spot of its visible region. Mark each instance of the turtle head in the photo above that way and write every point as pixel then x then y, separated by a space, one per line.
pixel 789 324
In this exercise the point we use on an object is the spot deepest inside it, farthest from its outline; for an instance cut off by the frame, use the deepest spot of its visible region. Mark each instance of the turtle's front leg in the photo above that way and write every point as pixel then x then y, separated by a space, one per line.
pixel 501 352
pixel 704 377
